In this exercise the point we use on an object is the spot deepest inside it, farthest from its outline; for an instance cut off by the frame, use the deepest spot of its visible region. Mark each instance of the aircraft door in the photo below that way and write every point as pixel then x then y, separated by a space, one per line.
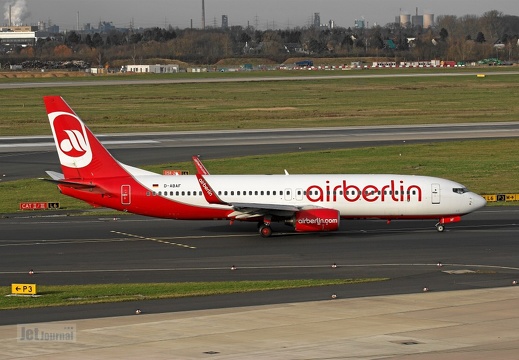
pixel 299 194
pixel 435 193
pixel 288 194
pixel 126 194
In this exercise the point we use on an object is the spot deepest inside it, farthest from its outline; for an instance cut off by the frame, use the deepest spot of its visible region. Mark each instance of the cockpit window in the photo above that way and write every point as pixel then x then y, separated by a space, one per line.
pixel 460 190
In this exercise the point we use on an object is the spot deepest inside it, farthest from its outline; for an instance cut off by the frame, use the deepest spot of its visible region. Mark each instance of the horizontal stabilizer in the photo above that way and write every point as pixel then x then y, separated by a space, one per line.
pixel 71 184
pixel 55 175
pixel 58 179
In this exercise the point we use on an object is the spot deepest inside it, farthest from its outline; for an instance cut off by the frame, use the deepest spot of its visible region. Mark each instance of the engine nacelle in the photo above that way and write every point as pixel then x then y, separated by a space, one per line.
pixel 314 220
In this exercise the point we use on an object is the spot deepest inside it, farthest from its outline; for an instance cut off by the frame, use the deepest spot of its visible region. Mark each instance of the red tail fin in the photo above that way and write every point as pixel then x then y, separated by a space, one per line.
pixel 81 155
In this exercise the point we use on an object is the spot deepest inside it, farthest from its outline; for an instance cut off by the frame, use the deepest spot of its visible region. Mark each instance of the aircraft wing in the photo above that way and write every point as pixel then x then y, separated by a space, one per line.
pixel 271 207
pixel 252 210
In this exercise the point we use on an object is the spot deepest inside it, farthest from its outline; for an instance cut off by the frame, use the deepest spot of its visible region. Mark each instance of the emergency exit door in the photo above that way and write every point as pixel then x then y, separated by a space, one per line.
pixel 435 193
pixel 126 194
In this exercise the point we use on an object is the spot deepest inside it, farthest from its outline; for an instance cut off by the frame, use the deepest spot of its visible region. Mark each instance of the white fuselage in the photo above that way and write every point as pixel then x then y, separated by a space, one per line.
pixel 385 196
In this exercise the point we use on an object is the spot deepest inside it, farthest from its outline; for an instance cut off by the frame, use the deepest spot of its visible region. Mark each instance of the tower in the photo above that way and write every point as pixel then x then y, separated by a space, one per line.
pixel 203 15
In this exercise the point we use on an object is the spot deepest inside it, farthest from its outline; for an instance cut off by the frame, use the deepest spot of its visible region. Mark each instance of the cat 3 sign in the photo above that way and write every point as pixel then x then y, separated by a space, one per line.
pixel 23 289
pixel 34 205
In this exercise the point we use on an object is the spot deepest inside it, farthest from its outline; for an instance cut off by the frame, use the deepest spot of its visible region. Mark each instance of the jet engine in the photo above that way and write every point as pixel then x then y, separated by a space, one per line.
pixel 313 220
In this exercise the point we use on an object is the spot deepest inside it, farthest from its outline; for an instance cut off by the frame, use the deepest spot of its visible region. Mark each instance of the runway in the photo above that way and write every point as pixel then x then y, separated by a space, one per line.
pixel 128 249
pixel 26 157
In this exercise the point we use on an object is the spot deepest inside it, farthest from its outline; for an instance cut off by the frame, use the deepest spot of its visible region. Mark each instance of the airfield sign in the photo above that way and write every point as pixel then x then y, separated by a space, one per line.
pixel 23 289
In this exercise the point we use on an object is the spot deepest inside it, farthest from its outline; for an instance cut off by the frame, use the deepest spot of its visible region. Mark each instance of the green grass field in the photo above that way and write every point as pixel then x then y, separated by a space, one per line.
pixel 63 295
pixel 270 104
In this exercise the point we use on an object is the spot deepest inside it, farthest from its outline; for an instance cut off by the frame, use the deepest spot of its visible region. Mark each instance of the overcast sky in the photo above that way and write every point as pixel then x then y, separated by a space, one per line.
pixel 263 13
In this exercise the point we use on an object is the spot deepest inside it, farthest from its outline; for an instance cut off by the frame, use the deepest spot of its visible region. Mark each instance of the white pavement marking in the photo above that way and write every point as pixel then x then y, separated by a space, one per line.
pixel 153 239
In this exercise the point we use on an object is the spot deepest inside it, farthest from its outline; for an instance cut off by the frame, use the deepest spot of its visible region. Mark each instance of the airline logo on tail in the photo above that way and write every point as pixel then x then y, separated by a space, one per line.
pixel 72 139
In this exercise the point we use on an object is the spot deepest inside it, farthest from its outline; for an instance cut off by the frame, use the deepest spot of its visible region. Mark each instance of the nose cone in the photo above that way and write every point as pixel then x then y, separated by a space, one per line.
pixel 478 201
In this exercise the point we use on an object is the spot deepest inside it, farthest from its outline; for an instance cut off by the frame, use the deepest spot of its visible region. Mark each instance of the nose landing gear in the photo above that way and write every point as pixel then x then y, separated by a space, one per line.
pixel 440 226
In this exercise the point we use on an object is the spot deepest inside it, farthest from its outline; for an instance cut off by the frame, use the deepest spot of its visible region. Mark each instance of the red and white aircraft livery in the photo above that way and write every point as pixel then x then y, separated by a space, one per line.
pixel 308 203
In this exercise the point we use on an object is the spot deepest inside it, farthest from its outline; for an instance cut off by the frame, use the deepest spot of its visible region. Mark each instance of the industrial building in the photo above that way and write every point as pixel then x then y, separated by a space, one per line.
pixel 18 35
pixel 12 36
pixel 424 21
pixel 153 69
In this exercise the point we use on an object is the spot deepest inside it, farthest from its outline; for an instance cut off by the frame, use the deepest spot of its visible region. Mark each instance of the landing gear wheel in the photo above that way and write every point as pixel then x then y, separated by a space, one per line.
pixel 265 231
pixel 440 227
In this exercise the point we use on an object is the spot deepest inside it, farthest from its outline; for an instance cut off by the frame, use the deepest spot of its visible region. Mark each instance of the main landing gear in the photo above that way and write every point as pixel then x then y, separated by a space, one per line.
pixel 265 230
pixel 264 227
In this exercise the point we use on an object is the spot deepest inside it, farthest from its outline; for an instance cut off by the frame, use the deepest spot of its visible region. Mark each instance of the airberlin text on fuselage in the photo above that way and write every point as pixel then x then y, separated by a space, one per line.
pixel 206 187
pixel 371 193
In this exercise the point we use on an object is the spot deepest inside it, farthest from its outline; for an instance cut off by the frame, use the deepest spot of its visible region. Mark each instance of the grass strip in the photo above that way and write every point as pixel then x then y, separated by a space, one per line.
pixel 64 295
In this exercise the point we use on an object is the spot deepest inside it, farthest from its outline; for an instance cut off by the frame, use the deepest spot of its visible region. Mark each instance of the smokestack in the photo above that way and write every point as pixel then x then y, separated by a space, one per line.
pixel 10 16
pixel 77 27
pixel 203 14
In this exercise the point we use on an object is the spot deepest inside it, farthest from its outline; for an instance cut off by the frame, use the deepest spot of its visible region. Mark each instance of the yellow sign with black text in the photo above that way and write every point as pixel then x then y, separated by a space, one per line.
pixel 23 289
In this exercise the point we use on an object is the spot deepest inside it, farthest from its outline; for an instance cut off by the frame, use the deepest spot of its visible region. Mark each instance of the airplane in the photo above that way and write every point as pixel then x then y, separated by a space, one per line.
pixel 308 203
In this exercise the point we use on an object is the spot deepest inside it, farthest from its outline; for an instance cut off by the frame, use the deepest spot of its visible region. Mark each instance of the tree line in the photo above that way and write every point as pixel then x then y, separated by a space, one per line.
pixel 466 38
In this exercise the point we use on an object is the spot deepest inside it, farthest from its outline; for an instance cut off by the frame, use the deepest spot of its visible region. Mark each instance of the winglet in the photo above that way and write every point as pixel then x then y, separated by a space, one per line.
pixel 200 168
pixel 209 193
